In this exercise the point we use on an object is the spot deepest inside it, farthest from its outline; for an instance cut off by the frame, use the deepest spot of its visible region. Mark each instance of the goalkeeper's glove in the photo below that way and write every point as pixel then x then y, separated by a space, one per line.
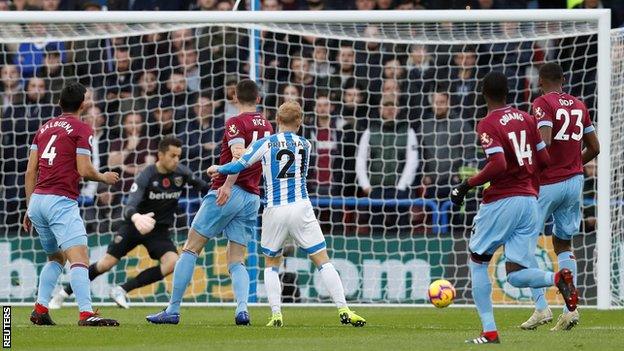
pixel 144 223
pixel 459 193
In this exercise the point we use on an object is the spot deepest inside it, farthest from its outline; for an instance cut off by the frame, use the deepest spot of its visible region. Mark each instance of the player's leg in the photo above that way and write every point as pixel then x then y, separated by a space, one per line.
pixel 273 288
pixel 239 232
pixel 274 234
pixel 490 228
pixel 567 220
pixel 160 247
pixel 183 270
pixel 53 268
pixel 519 271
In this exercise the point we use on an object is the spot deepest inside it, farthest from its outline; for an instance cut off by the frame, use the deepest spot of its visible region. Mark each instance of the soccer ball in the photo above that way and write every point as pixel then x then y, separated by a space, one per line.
pixel 441 293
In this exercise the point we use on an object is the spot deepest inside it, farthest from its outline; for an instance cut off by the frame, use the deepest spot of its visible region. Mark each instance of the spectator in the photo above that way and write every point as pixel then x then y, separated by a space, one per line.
pixel 178 93
pixel 290 92
pixel 230 108
pixel 353 106
pixel 589 193
pixel 93 117
pixel 131 154
pixel 345 71
pixel 11 87
pixel 289 5
pixel 365 5
pixel 447 145
pixel 30 55
pixel 315 5
pixel 386 163
pixel 320 66
pixel 50 5
pixel 271 5
pixel 161 121
pixel 54 73
pixel 145 95
pixel 206 5
pixel 224 5
pixel 203 133
pixel 190 69
pixel 420 79
pixel 324 139
pixel 305 81
pixel 119 82
pixel 385 4
pixel 463 83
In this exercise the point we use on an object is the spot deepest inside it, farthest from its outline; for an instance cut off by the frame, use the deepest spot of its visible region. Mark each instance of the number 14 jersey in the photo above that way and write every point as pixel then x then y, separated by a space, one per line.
pixel 569 119
pixel 57 142
pixel 285 159
pixel 514 133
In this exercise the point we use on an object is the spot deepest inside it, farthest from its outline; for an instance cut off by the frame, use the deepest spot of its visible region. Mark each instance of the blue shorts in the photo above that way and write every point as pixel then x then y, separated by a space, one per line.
pixel 236 219
pixel 563 201
pixel 57 221
pixel 512 222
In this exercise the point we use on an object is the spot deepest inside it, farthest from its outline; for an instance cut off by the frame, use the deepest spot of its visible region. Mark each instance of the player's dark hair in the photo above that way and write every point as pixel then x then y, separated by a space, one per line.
pixel 551 72
pixel 495 86
pixel 72 96
pixel 163 145
pixel 247 92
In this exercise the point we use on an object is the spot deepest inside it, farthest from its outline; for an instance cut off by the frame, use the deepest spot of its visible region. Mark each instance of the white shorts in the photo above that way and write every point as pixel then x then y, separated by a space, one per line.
pixel 295 220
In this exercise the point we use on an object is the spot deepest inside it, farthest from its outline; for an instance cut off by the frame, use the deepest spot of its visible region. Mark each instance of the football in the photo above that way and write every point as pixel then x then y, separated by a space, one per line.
pixel 441 293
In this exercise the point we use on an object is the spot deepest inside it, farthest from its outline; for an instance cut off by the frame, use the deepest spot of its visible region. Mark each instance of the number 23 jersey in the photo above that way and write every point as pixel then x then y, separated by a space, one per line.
pixel 58 142
pixel 514 133
pixel 569 119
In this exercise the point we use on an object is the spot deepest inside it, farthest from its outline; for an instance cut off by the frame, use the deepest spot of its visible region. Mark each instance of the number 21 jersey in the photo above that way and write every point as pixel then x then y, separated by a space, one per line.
pixel 58 142
pixel 569 119
pixel 514 133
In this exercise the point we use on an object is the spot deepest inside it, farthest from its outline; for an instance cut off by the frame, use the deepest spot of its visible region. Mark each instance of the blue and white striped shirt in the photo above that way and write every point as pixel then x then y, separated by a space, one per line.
pixel 285 159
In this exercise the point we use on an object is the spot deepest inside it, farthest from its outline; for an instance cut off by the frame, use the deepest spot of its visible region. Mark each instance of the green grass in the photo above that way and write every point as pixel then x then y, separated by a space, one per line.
pixel 388 329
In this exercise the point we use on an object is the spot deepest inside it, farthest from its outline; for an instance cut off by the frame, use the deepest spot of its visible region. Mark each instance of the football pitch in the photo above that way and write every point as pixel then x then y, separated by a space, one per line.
pixel 316 328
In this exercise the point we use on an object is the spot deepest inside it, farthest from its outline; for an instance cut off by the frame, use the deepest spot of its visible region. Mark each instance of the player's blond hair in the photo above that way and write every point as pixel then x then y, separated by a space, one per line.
pixel 290 114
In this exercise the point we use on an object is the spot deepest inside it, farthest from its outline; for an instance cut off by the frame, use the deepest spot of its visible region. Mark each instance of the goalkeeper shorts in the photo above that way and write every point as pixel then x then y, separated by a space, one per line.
pixel 296 220
pixel 562 200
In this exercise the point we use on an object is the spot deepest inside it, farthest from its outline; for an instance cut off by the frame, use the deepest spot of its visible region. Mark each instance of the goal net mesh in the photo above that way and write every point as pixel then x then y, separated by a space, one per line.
pixel 390 110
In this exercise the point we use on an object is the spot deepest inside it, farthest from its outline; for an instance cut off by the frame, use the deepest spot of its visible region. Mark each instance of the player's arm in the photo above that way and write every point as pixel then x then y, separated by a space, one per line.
pixel 88 172
pixel 253 155
pixel 590 139
pixel 544 116
pixel 30 178
pixel 144 223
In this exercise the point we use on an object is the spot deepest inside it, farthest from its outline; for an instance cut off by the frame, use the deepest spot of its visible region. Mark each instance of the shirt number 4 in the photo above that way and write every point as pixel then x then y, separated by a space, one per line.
pixel 522 149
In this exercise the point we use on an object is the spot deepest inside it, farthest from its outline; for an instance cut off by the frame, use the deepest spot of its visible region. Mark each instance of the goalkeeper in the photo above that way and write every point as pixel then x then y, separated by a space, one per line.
pixel 148 215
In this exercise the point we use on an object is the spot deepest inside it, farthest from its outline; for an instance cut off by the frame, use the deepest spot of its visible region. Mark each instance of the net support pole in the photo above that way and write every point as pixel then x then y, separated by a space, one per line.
pixel 254 74
pixel 603 208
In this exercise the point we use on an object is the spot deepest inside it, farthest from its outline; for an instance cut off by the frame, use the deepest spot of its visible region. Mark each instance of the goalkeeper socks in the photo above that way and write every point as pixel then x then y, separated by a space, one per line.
pixel 80 284
pixel 567 260
pixel 146 277
pixel 240 285
pixel 47 281
pixel 531 278
pixel 273 288
pixel 93 273
pixel 333 284
pixel 182 274
pixel 482 294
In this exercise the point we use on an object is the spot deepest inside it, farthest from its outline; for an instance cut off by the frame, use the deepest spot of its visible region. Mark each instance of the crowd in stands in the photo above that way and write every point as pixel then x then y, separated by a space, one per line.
pixel 387 120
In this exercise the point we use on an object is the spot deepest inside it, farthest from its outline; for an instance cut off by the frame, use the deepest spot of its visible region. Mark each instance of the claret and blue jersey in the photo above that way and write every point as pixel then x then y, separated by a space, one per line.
pixel 285 159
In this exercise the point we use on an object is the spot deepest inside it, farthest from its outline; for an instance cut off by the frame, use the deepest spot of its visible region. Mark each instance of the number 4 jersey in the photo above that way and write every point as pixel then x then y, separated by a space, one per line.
pixel 58 142
pixel 514 133
pixel 245 129
pixel 569 120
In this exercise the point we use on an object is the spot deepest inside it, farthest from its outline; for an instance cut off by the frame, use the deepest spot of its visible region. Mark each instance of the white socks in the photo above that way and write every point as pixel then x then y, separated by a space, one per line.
pixel 273 288
pixel 333 284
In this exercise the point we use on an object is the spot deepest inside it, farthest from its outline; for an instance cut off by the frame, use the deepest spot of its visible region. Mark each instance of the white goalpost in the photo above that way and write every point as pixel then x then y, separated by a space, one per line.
pixel 153 74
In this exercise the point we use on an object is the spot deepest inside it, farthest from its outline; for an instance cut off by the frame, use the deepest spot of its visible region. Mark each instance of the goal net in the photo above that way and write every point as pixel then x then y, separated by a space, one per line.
pixel 390 109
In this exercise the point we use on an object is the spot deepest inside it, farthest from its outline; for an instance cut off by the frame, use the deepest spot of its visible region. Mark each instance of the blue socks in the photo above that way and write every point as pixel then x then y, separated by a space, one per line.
pixel 538 294
pixel 567 260
pixel 240 285
pixel 79 280
pixel 531 278
pixel 47 281
pixel 482 294
pixel 182 274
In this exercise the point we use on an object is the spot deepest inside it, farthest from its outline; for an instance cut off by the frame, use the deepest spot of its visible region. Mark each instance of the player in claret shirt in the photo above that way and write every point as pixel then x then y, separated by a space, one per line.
pixel 509 213
pixel 235 217
pixel 59 155
pixel 148 215
pixel 561 183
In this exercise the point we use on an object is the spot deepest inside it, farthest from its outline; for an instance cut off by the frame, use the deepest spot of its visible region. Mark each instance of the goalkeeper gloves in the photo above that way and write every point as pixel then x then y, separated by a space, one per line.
pixel 459 193
pixel 144 223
